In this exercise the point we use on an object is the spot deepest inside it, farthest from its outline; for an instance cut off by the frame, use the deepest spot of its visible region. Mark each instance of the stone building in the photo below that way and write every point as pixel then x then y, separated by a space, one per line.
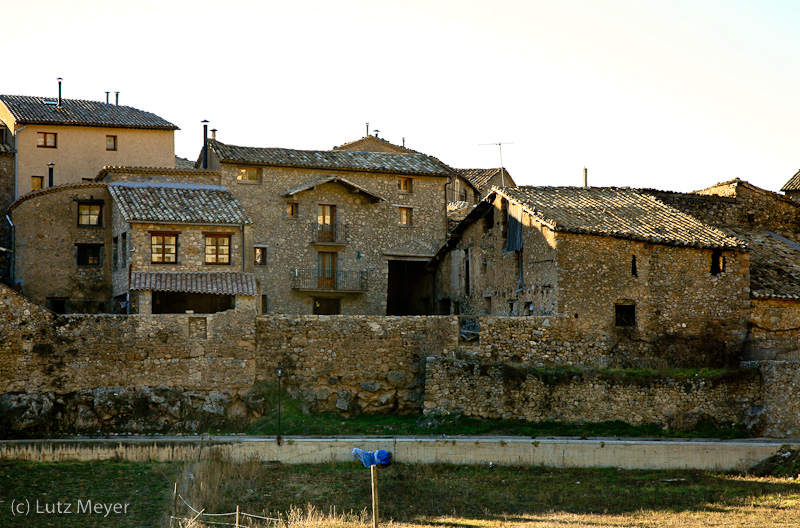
pixel 339 231
pixel 612 261
pixel 73 139
pixel 135 240
pixel 485 179
pixel 792 187
pixel 6 199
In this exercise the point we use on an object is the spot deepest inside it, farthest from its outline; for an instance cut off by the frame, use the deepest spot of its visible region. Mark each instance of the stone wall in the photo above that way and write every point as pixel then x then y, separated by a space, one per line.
pixel 501 391
pixel 350 364
pixel 6 199
pixel 774 330
pixel 781 398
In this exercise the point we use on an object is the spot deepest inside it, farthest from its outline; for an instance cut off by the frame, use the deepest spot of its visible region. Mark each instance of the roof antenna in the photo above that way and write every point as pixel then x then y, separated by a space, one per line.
pixel 502 169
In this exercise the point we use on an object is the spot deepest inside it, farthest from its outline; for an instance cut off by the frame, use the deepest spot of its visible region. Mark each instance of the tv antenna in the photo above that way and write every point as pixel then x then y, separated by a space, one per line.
pixel 502 169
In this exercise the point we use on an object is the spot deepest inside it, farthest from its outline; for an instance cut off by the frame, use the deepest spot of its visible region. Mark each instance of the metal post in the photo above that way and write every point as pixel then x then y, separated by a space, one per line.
pixel 280 375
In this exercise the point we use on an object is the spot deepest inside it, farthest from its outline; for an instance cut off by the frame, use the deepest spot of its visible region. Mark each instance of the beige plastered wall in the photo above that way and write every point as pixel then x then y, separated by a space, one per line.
pixel 81 152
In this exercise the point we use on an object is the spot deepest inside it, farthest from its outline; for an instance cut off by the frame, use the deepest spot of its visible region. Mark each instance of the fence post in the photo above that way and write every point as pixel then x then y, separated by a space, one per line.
pixel 283 520
pixel 174 501
pixel 374 471
pixel 237 517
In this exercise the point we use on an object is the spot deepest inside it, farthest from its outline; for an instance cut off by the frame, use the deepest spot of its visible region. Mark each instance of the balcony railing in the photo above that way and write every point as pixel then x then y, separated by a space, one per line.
pixel 337 280
pixel 335 233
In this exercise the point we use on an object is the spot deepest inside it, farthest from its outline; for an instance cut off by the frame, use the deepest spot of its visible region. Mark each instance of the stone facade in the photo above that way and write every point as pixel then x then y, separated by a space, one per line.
pixel 371 249
pixel 6 199
pixel 679 306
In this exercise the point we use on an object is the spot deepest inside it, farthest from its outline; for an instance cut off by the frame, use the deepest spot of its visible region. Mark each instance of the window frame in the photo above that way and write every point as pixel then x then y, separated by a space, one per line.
pixel 115 143
pixel 240 170
pixel 406 216
pixel 90 203
pixel 163 245
pixel 410 187
pixel 43 142
pixel 82 254
pixel 217 245
pixel 263 260
pixel 292 209
pixel 41 183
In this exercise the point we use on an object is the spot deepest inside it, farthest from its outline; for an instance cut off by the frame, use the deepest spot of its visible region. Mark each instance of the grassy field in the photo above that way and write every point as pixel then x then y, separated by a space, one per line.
pixel 411 495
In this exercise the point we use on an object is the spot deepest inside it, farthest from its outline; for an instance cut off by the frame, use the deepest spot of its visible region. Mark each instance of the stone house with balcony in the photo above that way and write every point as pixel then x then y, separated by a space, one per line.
pixel 613 264
pixel 339 231
pixel 135 240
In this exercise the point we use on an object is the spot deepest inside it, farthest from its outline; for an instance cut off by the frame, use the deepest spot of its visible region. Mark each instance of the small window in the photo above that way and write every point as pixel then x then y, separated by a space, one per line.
pixel 89 254
pixel 625 314
pixel 291 209
pixel 487 305
pixel 115 251
pixel 56 304
pixel 90 214
pixel 717 262
pixel 163 248
pixel 751 218
pixel 264 303
pixel 634 272
pixel 123 249
pixel 218 249
pixel 46 140
pixel 249 174
pixel 404 185
pixel 528 309
pixel 260 256
pixel 111 142
pixel 37 182
pixel 406 216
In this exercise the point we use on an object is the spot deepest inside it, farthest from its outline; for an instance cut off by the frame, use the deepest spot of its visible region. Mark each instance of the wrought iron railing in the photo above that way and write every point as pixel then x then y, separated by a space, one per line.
pixel 334 233
pixel 313 279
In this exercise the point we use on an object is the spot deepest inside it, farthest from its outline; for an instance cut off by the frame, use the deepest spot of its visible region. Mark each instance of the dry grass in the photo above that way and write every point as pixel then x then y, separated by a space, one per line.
pixel 338 495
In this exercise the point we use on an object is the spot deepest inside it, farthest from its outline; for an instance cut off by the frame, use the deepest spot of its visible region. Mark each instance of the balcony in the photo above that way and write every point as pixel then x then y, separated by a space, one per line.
pixel 330 234
pixel 330 280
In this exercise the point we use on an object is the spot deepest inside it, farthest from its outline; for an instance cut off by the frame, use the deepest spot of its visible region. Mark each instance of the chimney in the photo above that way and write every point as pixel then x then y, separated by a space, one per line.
pixel 367 130
pixel 117 95
pixel 205 143
pixel 59 91
pixel 107 95
pixel 214 133
pixel 585 177
pixel 404 142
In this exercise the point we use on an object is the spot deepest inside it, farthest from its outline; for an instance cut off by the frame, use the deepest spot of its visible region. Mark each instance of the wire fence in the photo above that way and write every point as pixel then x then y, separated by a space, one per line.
pixel 238 517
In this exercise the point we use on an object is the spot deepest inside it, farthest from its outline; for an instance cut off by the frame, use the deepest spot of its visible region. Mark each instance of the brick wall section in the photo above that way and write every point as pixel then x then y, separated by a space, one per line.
pixel 345 363
pixel 490 391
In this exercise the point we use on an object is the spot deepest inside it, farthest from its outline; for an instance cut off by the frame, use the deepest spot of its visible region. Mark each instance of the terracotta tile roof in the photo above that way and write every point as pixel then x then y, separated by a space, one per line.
pixel 56 188
pixel 216 282
pixel 371 196
pixel 177 203
pixel 346 160
pixel 183 163
pixel 793 184
pixel 617 212
pixel 366 144
pixel 28 109
pixel 480 177
pixel 774 263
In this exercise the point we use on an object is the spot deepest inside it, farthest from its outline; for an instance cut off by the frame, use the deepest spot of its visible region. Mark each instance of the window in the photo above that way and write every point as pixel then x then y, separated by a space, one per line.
pixel 260 255
pixel 467 275
pixel 90 214
pixel 218 248
pixel 405 216
pixel 46 140
pixel 717 262
pixel 115 252
pixel 326 223
pixel 163 248
pixel 634 272
pixel 291 209
pixel 264 303
pixel 89 254
pixel 625 315
pixel 111 142
pixel 404 185
pixel 326 269
pixel 124 249
pixel 249 174
pixel 37 182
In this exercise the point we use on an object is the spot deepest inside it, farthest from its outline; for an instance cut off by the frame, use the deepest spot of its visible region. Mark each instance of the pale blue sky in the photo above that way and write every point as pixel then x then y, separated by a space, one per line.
pixel 665 94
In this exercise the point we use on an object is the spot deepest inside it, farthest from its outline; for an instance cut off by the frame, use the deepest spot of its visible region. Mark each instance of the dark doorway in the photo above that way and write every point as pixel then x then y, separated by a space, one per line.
pixel 410 289
pixel 180 302
pixel 325 306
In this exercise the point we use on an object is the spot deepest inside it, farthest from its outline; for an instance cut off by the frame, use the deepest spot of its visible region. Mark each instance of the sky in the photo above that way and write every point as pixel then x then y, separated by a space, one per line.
pixel 668 94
